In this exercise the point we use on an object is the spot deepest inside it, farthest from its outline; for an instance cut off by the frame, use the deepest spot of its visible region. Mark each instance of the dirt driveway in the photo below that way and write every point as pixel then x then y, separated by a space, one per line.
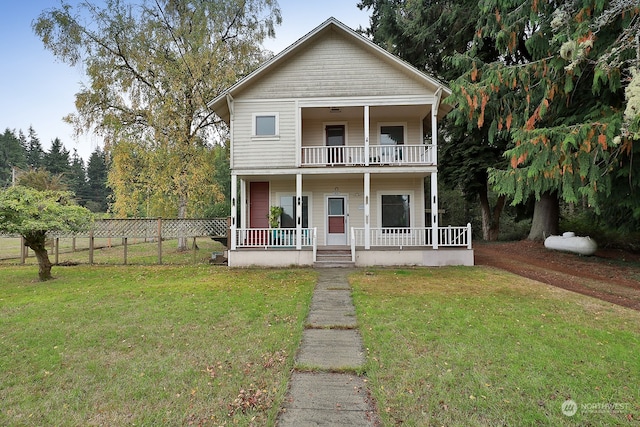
pixel 610 275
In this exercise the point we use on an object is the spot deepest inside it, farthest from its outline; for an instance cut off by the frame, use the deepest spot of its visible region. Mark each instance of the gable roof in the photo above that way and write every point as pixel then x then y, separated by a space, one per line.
pixel 220 104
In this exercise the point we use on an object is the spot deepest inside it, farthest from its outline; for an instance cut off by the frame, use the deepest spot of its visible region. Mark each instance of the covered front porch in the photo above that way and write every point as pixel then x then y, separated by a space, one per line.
pixel 377 218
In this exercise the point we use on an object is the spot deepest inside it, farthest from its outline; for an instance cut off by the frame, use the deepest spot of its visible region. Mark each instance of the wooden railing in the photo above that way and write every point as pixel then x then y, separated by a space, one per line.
pixel 273 237
pixel 356 155
pixel 412 237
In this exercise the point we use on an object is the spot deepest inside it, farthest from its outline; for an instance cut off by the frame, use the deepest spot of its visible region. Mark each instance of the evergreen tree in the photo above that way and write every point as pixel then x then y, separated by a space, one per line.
pixel 57 160
pixel 77 178
pixel 425 33
pixel 564 107
pixel 12 155
pixel 97 192
pixel 35 153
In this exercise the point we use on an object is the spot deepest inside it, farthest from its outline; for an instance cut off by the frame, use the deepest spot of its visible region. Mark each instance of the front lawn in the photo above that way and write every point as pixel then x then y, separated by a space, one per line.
pixel 152 345
pixel 480 347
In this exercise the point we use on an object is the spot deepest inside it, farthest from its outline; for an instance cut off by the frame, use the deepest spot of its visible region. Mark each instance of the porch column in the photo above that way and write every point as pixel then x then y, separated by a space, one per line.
pixel 234 211
pixel 298 211
pixel 434 176
pixel 434 209
pixel 367 210
pixel 366 136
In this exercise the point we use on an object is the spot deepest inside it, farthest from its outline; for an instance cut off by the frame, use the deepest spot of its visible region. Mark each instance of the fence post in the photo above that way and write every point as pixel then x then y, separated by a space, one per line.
pixel 23 250
pixel 159 240
pixel 91 247
pixel 73 244
pixel 124 242
pixel 469 234
pixel 57 246
pixel 195 247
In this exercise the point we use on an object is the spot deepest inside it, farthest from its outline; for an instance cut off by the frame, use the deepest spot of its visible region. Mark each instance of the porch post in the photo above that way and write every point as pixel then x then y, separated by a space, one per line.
pixel 434 210
pixel 234 211
pixel 367 210
pixel 366 136
pixel 298 211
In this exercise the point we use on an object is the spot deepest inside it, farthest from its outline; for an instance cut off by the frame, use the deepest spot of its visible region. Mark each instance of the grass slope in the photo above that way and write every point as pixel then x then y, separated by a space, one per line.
pixel 480 347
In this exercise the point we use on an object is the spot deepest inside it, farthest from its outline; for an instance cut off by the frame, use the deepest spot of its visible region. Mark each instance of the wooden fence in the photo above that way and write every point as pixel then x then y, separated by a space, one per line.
pixel 154 229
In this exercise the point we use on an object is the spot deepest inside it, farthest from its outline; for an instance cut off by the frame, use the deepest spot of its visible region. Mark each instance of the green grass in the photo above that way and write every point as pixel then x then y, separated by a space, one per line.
pixel 148 345
pixel 480 347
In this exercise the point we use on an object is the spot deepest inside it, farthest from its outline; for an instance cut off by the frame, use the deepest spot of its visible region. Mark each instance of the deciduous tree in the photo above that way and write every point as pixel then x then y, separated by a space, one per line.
pixel 31 214
pixel 152 67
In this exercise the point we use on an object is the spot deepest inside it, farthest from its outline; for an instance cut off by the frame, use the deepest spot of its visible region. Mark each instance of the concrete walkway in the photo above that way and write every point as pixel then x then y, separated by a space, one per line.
pixel 324 389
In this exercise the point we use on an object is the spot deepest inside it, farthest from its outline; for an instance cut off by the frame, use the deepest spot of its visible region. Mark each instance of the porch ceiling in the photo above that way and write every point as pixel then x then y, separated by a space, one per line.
pixel 358 176
pixel 377 113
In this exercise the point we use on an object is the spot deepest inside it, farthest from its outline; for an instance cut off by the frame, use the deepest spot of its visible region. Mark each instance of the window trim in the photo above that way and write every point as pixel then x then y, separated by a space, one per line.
pixel 254 118
pixel 404 130
pixel 412 205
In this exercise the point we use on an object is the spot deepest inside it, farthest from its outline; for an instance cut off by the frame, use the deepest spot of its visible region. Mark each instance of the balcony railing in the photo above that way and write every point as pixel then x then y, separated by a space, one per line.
pixel 376 155
pixel 413 237
pixel 273 237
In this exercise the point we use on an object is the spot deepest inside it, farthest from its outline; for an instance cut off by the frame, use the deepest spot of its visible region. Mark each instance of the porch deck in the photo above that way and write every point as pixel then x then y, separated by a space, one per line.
pixel 423 246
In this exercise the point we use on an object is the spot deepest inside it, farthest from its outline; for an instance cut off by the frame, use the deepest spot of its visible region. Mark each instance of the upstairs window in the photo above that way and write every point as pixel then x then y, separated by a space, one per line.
pixel 392 135
pixel 265 124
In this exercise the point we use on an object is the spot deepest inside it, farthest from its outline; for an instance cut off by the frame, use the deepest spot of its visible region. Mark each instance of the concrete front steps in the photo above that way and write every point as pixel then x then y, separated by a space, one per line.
pixel 334 257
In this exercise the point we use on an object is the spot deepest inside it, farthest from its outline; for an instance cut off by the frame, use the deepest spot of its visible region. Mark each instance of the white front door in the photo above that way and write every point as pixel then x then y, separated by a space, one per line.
pixel 337 220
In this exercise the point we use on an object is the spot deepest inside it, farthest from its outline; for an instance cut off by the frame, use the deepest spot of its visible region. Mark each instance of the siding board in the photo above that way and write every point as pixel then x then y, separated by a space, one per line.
pixel 333 66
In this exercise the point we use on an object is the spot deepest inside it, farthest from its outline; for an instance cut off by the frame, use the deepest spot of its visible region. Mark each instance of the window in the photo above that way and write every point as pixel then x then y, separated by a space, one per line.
pixel 288 218
pixel 396 211
pixel 265 124
pixel 392 135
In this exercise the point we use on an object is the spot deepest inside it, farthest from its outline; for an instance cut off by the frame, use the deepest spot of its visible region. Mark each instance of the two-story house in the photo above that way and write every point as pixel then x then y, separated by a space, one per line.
pixel 342 136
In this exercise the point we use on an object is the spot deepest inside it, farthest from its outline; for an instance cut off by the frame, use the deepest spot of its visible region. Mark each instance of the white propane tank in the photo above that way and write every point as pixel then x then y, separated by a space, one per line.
pixel 571 243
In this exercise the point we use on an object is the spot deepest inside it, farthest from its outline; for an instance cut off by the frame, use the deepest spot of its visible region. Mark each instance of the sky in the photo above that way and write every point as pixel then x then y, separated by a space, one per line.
pixel 38 90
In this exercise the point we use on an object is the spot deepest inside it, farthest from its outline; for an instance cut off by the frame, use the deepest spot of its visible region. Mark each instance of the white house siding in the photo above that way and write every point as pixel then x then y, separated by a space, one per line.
pixel 251 152
pixel 333 66
pixel 318 188
pixel 392 184
pixel 313 130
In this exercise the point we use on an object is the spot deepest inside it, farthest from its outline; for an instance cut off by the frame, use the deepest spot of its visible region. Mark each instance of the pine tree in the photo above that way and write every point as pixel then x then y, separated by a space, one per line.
pixel 35 153
pixel 12 155
pixel 57 160
pixel 97 192
pixel 563 106
pixel 77 178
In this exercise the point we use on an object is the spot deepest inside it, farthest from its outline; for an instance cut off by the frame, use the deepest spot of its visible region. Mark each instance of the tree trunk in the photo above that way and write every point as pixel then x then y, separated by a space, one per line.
pixel 546 217
pixel 491 219
pixel 37 243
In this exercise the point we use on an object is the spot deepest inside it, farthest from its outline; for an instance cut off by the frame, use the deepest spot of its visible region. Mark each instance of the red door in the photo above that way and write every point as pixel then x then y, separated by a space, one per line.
pixel 258 205
pixel 258 211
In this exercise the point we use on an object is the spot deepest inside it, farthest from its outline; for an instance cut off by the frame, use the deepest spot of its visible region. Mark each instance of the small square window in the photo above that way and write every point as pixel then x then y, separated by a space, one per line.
pixel 266 125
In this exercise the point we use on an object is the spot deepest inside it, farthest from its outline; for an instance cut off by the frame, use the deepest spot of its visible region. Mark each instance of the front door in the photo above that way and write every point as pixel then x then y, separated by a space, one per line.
pixel 335 144
pixel 336 220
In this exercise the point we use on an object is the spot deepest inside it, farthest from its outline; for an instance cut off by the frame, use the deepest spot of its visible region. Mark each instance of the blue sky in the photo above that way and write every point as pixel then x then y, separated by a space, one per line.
pixel 37 90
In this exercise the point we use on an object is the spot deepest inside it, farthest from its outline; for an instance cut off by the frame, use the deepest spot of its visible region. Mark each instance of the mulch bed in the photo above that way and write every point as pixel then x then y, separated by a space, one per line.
pixel 610 275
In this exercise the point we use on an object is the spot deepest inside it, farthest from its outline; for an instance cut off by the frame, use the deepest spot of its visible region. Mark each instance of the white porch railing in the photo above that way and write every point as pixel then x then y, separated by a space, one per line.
pixel 378 155
pixel 412 237
pixel 274 237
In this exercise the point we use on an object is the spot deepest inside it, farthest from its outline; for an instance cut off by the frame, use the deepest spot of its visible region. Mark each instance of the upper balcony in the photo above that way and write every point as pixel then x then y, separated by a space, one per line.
pixel 385 135
pixel 374 155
